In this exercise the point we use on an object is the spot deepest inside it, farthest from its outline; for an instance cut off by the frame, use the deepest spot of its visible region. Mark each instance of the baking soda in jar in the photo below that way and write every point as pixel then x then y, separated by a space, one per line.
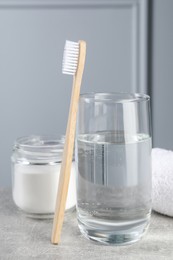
pixel 36 164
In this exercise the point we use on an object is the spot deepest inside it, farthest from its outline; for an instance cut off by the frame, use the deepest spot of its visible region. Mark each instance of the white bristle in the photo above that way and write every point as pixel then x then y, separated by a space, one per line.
pixel 70 58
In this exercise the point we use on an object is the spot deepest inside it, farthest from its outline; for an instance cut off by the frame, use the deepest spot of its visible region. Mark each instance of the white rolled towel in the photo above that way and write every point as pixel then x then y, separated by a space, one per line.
pixel 162 181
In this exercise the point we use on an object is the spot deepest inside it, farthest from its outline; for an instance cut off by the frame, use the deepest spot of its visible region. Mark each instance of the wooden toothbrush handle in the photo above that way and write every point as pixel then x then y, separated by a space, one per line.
pixel 68 148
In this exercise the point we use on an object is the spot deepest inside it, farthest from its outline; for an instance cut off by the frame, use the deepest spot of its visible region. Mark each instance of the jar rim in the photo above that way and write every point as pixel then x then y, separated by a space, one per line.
pixel 39 142
pixel 38 149
pixel 114 97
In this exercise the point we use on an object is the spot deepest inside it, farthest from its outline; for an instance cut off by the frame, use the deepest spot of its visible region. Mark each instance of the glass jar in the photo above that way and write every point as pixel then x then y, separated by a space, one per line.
pixel 36 163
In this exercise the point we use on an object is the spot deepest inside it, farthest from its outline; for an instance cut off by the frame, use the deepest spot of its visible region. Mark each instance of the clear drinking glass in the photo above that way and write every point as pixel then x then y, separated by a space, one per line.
pixel 113 158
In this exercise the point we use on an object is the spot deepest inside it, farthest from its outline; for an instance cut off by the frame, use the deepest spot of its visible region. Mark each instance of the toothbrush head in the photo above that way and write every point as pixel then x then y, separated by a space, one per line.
pixel 70 58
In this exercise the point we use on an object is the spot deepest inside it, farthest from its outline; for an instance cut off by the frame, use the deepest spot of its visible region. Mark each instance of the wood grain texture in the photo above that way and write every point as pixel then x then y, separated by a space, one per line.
pixel 25 238
pixel 68 148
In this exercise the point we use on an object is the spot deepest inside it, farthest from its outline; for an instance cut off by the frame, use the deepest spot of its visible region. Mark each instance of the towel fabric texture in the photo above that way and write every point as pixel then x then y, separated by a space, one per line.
pixel 162 181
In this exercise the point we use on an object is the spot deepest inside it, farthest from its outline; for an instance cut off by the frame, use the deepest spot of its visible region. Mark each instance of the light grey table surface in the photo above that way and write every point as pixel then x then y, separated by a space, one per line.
pixel 25 238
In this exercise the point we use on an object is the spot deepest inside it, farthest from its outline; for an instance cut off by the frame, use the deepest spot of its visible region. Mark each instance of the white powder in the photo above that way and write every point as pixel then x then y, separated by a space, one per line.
pixel 35 187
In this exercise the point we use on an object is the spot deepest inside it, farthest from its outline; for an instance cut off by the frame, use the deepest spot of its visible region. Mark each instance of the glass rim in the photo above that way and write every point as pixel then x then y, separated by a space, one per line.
pixel 114 97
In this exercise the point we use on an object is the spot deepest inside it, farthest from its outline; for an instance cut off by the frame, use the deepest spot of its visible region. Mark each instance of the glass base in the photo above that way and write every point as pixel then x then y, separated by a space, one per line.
pixel 117 235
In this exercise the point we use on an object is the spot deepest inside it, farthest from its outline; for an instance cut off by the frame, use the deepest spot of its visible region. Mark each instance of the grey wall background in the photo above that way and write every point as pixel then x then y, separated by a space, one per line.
pixel 34 95
pixel 162 73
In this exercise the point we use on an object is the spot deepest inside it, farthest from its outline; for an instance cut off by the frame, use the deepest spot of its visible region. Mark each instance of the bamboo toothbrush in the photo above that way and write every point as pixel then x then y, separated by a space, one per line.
pixel 73 64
